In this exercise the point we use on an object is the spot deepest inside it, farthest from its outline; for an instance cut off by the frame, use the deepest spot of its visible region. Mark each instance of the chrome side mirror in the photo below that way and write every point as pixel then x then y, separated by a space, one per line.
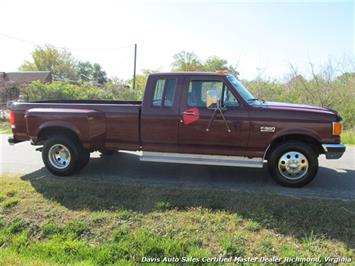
pixel 212 99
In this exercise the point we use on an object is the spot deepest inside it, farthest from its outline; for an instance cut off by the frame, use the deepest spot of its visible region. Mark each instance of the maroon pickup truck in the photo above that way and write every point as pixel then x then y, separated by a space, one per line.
pixel 194 118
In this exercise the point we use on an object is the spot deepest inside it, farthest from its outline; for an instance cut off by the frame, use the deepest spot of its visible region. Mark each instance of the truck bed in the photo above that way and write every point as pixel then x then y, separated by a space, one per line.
pixel 98 124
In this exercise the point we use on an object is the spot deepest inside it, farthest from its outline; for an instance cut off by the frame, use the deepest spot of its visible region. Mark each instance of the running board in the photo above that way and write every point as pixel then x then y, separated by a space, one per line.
pixel 201 159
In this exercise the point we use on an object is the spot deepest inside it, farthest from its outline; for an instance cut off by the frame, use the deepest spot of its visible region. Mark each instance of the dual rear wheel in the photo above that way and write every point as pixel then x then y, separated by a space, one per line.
pixel 63 156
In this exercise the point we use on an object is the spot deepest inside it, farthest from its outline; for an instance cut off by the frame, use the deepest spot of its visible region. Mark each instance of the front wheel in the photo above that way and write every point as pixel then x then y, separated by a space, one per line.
pixel 293 164
pixel 61 155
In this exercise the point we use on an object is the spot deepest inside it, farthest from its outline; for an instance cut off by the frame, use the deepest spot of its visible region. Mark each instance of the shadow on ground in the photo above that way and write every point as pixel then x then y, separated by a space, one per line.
pixel 121 182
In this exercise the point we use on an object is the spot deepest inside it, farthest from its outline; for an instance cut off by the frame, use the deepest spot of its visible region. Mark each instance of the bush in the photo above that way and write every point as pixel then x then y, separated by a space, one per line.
pixel 61 90
pixel 335 93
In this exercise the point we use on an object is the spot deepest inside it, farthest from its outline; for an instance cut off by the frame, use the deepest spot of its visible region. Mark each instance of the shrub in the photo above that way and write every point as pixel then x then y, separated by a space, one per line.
pixel 62 90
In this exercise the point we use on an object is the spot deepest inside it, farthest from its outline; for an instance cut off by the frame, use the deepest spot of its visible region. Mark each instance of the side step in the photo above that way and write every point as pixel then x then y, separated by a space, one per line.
pixel 201 159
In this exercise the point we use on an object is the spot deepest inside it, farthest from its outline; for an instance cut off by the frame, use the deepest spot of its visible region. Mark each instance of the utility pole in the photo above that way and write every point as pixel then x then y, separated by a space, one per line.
pixel 135 65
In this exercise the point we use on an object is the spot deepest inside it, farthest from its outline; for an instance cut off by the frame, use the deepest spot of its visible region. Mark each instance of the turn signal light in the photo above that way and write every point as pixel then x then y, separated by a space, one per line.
pixel 337 128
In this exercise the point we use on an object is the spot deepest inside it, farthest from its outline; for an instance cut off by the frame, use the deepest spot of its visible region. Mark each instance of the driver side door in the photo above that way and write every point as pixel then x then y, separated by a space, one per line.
pixel 193 136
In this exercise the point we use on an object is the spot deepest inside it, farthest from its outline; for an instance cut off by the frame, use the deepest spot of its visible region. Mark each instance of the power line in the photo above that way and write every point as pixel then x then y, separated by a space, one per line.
pixel 67 48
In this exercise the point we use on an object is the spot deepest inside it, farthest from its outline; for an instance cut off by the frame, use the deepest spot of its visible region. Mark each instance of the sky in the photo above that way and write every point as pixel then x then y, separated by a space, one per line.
pixel 261 37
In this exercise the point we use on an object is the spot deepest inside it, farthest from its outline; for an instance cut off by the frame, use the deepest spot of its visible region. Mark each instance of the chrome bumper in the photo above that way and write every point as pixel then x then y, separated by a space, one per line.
pixel 333 151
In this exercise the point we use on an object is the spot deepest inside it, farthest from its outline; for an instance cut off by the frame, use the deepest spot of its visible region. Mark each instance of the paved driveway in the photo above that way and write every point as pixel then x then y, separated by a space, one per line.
pixel 335 179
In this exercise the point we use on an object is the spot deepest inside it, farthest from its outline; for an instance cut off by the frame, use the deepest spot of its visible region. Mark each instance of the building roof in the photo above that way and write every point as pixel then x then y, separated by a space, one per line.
pixel 26 77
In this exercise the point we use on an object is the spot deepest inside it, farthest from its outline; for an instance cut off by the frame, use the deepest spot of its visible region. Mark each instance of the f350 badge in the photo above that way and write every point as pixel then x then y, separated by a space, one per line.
pixel 267 129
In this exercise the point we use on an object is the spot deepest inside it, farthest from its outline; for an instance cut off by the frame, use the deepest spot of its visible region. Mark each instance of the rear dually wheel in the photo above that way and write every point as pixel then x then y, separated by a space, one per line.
pixel 61 155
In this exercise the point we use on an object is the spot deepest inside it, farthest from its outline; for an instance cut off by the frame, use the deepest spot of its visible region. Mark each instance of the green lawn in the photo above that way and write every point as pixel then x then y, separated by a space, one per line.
pixel 348 136
pixel 47 220
pixel 5 127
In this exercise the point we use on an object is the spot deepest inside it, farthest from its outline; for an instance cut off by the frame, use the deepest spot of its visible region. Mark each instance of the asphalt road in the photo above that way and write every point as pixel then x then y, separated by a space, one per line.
pixel 335 179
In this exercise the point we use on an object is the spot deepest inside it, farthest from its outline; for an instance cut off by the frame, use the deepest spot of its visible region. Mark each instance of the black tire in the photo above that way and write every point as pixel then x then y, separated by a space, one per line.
pixel 84 158
pixel 293 163
pixel 58 145
pixel 107 152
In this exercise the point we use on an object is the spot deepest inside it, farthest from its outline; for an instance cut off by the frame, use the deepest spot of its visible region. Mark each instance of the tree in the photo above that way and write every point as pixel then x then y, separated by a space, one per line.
pixel 85 71
pixel 186 61
pixel 189 61
pixel 214 63
pixel 48 58
pixel 98 74
pixel 91 72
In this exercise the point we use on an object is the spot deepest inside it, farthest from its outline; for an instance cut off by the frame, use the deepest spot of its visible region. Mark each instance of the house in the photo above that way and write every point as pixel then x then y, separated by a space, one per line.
pixel 12 82
pixel 21 79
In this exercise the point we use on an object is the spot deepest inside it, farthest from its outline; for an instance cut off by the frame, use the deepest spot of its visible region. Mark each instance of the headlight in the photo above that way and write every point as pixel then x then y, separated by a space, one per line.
pixel 337 128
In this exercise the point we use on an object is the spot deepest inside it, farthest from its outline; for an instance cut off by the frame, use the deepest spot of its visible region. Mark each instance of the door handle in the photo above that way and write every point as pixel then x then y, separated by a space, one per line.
pixel 189 113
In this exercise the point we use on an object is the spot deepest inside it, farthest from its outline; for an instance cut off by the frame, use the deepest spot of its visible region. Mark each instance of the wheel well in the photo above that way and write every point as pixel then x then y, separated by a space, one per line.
pixel 315 144
pixel 45 133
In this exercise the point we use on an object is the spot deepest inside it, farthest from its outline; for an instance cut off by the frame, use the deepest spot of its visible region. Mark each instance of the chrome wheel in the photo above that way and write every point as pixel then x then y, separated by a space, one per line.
pixel 293 165
pixel 59 156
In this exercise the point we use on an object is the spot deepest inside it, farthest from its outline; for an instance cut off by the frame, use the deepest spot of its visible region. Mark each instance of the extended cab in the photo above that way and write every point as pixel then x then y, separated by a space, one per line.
pixel 196 118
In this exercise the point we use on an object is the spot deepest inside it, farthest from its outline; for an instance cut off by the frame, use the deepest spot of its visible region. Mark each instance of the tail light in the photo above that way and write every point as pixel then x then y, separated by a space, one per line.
pixel 12 119
pixel 337 128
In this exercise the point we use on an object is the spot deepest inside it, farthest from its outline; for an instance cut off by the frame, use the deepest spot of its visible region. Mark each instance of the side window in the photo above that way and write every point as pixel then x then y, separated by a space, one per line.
pixel 169 92
pixel 197 93
pixel 158 92
pixel 164 88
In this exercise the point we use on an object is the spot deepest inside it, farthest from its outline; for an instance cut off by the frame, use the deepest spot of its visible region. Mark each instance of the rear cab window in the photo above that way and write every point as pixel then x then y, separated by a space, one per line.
pixel 164 93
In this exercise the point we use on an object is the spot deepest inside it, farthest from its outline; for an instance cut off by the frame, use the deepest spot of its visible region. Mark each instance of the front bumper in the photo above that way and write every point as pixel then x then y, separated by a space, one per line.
pixel 333 151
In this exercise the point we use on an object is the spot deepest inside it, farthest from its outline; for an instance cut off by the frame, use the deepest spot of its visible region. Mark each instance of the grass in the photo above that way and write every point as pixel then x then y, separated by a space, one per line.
pixel 348 136
pixel 82 222
pixel 5 127
pixel 9 203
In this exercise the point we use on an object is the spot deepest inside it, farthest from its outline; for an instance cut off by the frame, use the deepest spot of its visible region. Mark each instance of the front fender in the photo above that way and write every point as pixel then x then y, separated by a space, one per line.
pixel 297 131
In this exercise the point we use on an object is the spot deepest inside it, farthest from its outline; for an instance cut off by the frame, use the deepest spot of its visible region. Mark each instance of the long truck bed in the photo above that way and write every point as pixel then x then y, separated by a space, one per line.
pixel 97 123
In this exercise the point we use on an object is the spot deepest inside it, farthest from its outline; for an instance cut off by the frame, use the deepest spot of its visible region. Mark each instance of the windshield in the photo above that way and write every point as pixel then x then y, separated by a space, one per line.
pixel 246 95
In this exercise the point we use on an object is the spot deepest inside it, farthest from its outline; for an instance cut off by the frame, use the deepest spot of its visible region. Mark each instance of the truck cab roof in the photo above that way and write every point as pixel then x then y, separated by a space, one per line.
pixel 192 73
